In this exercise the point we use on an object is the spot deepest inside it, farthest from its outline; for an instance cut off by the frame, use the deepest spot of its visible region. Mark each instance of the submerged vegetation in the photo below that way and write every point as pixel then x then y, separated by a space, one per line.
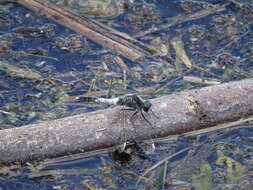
pixel 45 66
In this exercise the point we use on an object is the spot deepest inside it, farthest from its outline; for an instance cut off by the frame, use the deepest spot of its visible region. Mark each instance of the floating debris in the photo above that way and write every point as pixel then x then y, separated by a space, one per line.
pixel 140 15
pixel 195 79
pixel 178 45
pixel 95 8
pixel 5 47
pixel 72 43
pixel 18 72
pixel 46 30
pixel 161 46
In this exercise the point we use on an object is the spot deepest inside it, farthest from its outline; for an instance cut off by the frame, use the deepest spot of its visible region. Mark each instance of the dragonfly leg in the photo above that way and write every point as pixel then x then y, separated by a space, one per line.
pixel 145 119
pixel 131 119
pixel 131 109
pixel 154 114
pixel 132 116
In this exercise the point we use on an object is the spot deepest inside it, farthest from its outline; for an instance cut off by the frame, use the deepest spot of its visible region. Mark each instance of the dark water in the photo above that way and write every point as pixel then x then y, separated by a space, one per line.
pixel 70 65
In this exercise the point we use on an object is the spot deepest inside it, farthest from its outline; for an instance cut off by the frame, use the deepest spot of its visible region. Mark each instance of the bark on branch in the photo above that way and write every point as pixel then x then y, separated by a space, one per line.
pixel 177 113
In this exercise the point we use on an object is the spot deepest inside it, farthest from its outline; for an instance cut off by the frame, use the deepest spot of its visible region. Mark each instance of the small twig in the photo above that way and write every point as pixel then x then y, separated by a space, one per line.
pixel 182 19
pixel 35 55
pixel 218 127
pixel 234 39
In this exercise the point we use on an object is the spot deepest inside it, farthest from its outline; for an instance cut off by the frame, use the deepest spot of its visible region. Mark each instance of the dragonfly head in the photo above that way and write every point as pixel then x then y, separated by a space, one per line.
pixel 146 105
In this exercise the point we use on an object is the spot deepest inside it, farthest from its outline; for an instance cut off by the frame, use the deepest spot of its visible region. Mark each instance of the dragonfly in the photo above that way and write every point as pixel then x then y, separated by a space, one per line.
pixel 133 102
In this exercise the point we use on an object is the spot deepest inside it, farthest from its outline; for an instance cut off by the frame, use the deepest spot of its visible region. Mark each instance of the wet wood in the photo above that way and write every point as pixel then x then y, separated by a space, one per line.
pixel 174 114
pixel 87 27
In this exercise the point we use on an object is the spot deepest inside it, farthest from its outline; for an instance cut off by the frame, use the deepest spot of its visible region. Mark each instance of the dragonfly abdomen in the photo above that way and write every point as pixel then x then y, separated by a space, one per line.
pixel 109 101
pixel 86 99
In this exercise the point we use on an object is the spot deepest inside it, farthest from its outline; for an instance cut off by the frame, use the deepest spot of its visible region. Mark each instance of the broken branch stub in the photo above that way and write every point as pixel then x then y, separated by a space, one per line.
pixel 177 113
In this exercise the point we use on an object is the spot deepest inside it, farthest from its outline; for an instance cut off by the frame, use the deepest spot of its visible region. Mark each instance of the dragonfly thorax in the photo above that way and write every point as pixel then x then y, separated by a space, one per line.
pixel 135 102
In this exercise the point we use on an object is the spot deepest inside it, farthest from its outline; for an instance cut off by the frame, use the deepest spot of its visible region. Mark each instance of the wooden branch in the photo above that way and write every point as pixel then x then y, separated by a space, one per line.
pixel 177 113
pixel 91 30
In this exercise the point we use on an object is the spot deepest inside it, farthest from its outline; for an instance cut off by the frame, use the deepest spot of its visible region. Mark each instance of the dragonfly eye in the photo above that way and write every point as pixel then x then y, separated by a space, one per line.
pixel 146 106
